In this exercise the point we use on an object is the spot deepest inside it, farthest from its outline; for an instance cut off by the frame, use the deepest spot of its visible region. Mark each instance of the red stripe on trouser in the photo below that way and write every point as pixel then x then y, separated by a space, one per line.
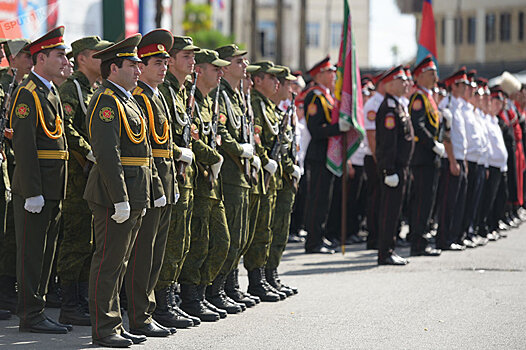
pixel 23 259
pixel 133 281
pixel 98 274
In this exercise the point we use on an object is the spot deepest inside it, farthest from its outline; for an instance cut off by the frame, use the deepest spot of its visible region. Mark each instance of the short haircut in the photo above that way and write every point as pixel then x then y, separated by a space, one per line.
pixel 260 75
pixel 105 66
pixel 35 55
pixel 174 52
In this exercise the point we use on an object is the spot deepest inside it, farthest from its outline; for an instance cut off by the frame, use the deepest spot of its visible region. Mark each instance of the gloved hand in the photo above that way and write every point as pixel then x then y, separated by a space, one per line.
pixel 391 180
pixel 160 202
pixel 122 212
pixel 439 148
pixel 344 125
pixel 34 204
pixel 143 212
pixel 216 168
pixel 248 150
pixel 448 117
pixel 256 162
pixel 1 157
pixel 186 155
pixel 296 173
pixel 271 166
pixel 91 157
pixel 177 195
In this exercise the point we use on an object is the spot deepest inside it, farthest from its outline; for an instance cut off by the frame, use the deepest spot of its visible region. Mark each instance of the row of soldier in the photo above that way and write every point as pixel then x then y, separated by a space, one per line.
pixel 162 165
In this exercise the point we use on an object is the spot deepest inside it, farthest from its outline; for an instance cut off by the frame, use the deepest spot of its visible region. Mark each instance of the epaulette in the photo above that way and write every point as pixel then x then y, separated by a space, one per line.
pixel 137 91
pixel 391 103
pixel 30 86
pixel 108 92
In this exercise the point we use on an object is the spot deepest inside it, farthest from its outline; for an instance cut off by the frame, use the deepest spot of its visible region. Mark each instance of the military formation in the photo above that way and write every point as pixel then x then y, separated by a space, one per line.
pixel 138 180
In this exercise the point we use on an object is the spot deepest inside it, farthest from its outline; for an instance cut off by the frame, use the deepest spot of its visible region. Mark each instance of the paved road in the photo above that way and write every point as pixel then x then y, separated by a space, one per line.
pixel 462 300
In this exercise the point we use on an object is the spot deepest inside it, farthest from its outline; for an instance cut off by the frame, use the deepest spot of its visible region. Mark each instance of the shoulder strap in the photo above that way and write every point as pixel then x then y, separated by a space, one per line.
pixel 81 98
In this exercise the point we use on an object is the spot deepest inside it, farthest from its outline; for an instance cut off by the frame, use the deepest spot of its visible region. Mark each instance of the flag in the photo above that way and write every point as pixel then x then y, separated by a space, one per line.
pixel 348 99
pixel 427 44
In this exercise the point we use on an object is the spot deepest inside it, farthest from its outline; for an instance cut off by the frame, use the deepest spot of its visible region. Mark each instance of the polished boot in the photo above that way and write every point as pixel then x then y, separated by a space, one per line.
pixel 165 315
pixel 191 304
pixel 151 330
pixel 71 311
pixel 175 302
pixel 273 279
pixel 233 292
pixel 44 326
pixel 113 341
pixel 258 288
pixel 215 294
pixel 201 290
pixel 135 339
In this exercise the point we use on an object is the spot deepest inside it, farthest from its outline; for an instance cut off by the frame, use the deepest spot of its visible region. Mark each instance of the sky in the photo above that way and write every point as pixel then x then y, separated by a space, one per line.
pixel 388 27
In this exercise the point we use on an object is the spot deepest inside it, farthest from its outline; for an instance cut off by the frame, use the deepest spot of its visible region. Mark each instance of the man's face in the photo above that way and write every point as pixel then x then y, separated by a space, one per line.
pixel 91 64
pixel 268 85
pixel 458 89
pixel 127 75
pixel 247 83
pixel 327 78
pixel 427 79
pixel 55 64
pixel 284 90
pixel 238 68
pixel 22 61
pixel 155 71
pixel 496 106
pixel 183 62
pixel 398 87
pixel 209 75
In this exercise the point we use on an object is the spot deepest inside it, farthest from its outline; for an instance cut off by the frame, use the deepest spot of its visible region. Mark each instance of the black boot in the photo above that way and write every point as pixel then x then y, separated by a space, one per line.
pixel 233 292
pixel 191 304
pixel 175 301
pixel 201 290
pixel 71 312
pixel 258 288
pixel 217 297
pixel 272 278
pixel 282 295
pixel 84 296
pixel 293 289
pixel 8 297
pixel 164 314
pixel 174 295
pixel 5 314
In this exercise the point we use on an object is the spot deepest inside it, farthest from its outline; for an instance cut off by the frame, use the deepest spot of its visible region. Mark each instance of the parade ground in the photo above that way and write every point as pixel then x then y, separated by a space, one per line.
pixel 462 300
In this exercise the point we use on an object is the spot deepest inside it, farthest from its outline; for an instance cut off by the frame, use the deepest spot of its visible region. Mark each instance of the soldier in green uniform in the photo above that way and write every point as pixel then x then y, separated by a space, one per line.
pixel 76 248
pixel 39 180
pixel 266 130
pixel 285 195
pixel 180 66
pixel 237 152
pixel 19 59
pixel 121 185
pixel 210 238
pixel 148 251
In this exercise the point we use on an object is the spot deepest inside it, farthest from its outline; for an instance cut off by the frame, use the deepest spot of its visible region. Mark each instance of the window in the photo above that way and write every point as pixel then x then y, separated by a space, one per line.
pixel 313 34
pixel 505 26
pixel 336 34
pixel 472 30
pixel 521 26
pixel 490 28
pixel 459 33
pixel 267 38
pixel 443 32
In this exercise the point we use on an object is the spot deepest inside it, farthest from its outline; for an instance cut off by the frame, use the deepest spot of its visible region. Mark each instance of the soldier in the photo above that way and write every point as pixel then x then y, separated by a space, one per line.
pixel 210 238
pixel 76 248
pixel 121 185
pixel 148 251
pixel 39 180
pixel 180 65
pixel 236 152
pixel 290 176
pixel 394 148
pixel 426 158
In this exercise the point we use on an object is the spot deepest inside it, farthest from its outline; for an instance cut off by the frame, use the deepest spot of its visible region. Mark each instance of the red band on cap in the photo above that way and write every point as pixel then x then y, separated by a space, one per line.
pixel 459 78
pixel 394 75
pixel 425 67
pixel 152 49
pixel 320 68
pixel 46 44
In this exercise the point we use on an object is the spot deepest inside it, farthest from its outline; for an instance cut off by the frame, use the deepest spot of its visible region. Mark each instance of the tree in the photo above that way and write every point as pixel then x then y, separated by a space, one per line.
pixel 198 24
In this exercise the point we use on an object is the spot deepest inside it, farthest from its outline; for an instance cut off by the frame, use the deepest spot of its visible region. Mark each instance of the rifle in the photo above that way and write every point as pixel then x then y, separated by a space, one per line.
pixel 294 150
pixel 4 111
pixel 245 132
pixel 187 137
pixel 213 131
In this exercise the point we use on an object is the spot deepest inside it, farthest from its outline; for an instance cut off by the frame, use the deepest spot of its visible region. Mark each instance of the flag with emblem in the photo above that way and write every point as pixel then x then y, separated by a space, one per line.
pixel 348 101
pixel 427 40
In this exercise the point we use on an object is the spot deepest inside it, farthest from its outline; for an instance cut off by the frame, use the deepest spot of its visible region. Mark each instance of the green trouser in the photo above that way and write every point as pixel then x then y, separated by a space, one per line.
pixel 209 243
pixel 280 225
pixel 145 265
pixel 36 240
pixel 236 207
pixel 253 210
pixel 76 247
pixel 256 255
pixel 114 243
pixel 178 242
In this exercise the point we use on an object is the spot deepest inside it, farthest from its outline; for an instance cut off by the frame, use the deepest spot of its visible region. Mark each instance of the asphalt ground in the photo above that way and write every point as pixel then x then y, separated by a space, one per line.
pixel 474 299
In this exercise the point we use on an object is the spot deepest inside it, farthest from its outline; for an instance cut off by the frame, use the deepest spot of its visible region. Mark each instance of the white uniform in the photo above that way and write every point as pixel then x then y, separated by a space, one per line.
pixel 474 133
pixel 459 141
pixel 499 154
pixel 369 111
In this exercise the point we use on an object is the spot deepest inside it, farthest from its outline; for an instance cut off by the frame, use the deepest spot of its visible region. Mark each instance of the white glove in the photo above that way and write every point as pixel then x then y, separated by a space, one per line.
pixel 271 166
pixel 391 180
pixel 34 204
pixel 448 117
pixel 439 148
pixel 256 162
pixel 122 212
pixel 296 173
pixel 186 155
pixel 160 202
pixel 248 150
pixel 344 125
pixel 216 168
pixel 1 158
pixel 91 157
pixel 143 212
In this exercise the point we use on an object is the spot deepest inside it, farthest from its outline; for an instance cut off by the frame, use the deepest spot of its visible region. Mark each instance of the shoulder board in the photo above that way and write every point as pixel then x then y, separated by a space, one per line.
pixel 391 103
pixel 317 92
pixel 30 86
pixel 137 91
pixel 108 92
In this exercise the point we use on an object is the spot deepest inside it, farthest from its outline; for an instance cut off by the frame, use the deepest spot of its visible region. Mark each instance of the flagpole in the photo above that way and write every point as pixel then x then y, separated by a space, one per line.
pixel 344 193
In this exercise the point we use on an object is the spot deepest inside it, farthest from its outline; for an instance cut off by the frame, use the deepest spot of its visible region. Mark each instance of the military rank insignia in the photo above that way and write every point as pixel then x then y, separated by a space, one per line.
pixel 106 114
pixel 371 115
pixel 22 110
pixel 257 129
pixel 389 121
pixel 194 132
pixel 68 109
pixel 222 119
pixel 417 105
pixel 312 109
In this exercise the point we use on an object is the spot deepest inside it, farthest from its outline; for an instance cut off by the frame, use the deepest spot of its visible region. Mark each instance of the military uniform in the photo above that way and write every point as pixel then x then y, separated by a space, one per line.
pixel 39 186
pixel 121 183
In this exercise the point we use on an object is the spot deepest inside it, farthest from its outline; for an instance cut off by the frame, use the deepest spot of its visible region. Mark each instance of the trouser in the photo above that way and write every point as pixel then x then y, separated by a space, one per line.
pixel 209 242
pixel 145 264
pixel 280 224
pixel 236 206
pixel 501 200
pixel 373 200
pixel 297 218
pixel 334 219
pixel 320 183
pixel 424 186
pixel 36 240
pixel 356 200
pixel 253 215
pixel 487 207
pixel 8 245
pixel 114 243
pixel 390 205
pixel 178 242
pixel 451 201
pixel 475 185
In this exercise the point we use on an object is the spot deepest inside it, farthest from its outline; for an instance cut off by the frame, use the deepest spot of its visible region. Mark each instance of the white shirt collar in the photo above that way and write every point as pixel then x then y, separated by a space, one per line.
pixel 154 90
pixel 46 82
pixel 127 93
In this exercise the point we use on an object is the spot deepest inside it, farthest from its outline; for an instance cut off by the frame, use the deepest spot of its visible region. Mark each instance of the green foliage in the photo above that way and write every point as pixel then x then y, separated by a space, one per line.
pixel 210 39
